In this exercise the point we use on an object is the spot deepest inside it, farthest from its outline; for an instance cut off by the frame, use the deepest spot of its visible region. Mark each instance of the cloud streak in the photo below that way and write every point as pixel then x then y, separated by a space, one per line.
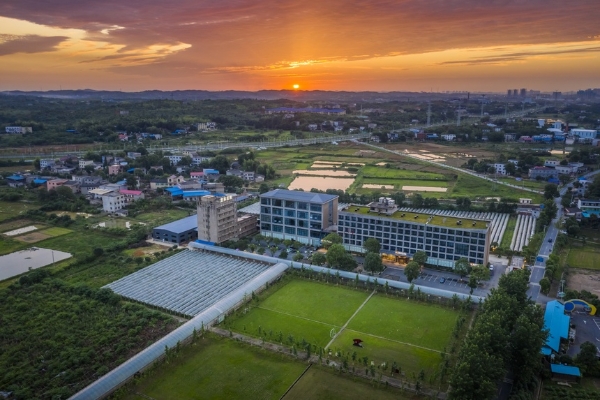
pixel 29 44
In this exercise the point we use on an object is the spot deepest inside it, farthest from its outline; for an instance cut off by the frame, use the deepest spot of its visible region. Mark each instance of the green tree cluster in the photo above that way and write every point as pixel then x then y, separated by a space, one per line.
pixel 507 335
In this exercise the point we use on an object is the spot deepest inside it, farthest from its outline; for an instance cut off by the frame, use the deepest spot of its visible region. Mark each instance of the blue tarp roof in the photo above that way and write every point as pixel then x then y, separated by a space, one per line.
pixel 175 191
pixel 565 369
pixel 122 183
pixel 195 193
pixel 40 181
pixel 181 225
pixel 557 324
pixel 16 177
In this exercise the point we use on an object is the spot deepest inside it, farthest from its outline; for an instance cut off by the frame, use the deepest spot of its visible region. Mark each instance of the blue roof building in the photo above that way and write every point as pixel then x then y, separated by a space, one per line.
pixel 182 230
pixel 565 372
pixel 557 324
pixel 15 180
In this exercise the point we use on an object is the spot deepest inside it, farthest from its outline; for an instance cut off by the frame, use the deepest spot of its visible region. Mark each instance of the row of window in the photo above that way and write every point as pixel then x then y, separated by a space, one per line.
pixel 266 211
pixel 362 222
pixel 475 255
pixel 290 230
pixel 300 205
pixel 441 240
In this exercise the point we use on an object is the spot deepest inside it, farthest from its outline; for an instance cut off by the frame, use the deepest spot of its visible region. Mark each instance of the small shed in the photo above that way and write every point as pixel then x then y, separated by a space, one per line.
pixel 565 373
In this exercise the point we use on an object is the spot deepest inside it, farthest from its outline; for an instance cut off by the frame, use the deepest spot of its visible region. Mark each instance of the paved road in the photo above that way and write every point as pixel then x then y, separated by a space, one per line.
pixel 539 267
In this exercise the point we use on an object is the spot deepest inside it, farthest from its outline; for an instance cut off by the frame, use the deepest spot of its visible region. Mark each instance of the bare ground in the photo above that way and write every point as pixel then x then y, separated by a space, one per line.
pixel 584 279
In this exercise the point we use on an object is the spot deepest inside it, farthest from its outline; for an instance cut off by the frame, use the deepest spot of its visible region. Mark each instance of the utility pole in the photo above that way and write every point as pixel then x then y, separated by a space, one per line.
pixel 458 115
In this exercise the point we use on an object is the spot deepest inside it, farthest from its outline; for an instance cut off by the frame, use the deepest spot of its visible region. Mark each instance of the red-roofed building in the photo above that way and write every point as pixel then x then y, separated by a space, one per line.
pixel 132 195
pixel 197 174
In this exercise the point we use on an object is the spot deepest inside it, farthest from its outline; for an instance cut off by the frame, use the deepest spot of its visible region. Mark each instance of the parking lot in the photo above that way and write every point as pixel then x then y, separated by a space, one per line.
pixel 449 281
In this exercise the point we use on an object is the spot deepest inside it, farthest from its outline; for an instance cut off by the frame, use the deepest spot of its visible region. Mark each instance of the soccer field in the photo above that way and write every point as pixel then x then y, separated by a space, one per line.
pixel 410 334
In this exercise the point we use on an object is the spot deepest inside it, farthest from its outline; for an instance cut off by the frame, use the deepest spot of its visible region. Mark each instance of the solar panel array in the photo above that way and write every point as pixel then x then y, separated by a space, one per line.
pixel 188 282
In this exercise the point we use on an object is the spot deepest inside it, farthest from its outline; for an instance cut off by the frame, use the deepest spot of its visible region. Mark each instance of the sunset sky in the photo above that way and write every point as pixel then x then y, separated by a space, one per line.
pixel 380 45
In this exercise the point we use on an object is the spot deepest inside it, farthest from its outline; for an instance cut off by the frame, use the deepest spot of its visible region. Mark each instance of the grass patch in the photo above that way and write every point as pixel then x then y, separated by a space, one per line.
pixel 373 171
pixel 8 245
pixel 586 257
pixel 12 225
pixel 509 232
pixel 157 218
pixel 323 384
pixel 14 209
pixel 471 186
pixel 406 321
pixel 83 243
pixel 56 231
pixel 219 368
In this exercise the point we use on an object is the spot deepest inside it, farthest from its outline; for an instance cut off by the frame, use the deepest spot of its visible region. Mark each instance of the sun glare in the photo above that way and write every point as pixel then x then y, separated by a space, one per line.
pixel 296 86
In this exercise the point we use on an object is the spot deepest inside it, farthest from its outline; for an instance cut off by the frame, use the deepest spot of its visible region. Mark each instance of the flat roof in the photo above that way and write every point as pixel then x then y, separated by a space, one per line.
pixel 253 208
pixel 422 218
pixel 181 225
pixel 133 192
pixel 297 195
pixel 100 191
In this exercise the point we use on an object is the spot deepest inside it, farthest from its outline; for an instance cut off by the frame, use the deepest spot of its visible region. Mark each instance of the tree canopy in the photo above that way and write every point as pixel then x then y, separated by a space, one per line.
pixel 372 245
pixel 412 270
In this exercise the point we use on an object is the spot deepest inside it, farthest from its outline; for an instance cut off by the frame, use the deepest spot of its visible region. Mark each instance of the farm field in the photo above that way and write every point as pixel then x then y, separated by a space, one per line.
pixel 13 209
pixel 157 218
pixel 509 232
pixel 584 256
pixel 219 368
pixel 12 225
pixel 322 384
pixel 393 330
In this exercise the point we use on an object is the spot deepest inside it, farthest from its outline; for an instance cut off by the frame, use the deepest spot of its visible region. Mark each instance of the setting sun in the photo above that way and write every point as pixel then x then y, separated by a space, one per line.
pixel 296 86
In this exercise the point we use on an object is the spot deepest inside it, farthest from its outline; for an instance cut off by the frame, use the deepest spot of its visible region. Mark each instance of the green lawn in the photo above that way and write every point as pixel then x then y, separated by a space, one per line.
pixel 406 321
pixel 587 257
pixel 323 384
pixel 81 243
pixel 219 368
pixel 8 245
pixel 304 310
pixel 393 330
pixel 56 231
pixel 157 218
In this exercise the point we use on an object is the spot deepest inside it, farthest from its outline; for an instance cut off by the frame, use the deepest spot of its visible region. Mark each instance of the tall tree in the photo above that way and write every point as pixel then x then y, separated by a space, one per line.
pixel 373 262
pixel 335 255
pixel 462 267
pixel 331 239
pixel 372 245
pixel 412 271
pixel 420 257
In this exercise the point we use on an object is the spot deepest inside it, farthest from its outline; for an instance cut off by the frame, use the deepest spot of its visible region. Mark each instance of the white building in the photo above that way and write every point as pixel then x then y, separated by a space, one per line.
pixel 113 201
pixel 83 163
pixel 551 163
pixel 197 160
pixel 46 163
pixel 18 129
pixel 449 137
pixel 500 168
pixel 175 159
pixel 565 169
pixel 584 133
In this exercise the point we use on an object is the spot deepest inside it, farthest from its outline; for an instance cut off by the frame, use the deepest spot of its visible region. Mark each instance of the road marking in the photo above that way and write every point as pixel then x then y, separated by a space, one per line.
pixel 349 319
pixel 395 341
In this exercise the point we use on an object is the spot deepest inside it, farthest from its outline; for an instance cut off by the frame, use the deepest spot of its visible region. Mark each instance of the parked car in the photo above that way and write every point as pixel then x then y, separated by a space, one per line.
pixel 442 280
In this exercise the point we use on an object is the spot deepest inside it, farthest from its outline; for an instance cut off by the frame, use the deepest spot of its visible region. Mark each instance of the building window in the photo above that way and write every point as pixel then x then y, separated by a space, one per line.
pixel 277 228
pixel 290 230
pixel 290 221
pixel 302 206
pixel 302 214
pixel 290 213
pixel 315 207
pixel 277 211
pixel 302 232
pixel 290 204
pixel 265 210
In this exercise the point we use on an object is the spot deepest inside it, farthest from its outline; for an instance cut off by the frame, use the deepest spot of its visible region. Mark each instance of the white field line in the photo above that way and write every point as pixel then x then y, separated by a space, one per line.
pixel 349 319
pixel 395 341
pixel 296 316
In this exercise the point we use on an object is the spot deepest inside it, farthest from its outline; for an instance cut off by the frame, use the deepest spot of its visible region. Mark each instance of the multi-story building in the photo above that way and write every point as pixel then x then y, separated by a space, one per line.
pixel 113 201
pixel 444 239
pixel 45 163
pixel 217 218
pixel 83 163
pixel 303 216
pixel 588 134
pixel 551 163
pixel 175 159
pixel 542 172
pixel 589 207
pixel 499 168
pixel 247 224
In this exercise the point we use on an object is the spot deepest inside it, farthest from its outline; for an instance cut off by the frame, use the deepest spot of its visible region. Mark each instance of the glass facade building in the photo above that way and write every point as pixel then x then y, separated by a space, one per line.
pixel 301 216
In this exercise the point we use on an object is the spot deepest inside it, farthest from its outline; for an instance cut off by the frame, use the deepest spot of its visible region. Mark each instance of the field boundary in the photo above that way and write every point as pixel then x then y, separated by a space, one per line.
pixel 393 340
pixel 296 316
pixel 296 381
pixel 349 319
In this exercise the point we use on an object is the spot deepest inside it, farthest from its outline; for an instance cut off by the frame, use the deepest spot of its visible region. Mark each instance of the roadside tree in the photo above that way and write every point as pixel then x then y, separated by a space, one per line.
pixel 412 271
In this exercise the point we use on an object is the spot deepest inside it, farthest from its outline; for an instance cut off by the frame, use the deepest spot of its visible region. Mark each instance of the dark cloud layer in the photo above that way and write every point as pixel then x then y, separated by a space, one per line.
pixel 245 34
pixel 29 44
